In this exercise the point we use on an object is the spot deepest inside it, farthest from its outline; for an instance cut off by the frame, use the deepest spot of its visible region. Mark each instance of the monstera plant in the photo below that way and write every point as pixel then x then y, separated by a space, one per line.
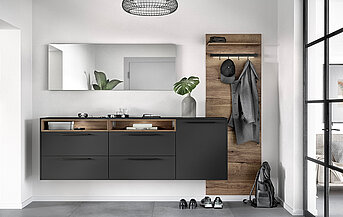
pixel 103 83
pixel 186 85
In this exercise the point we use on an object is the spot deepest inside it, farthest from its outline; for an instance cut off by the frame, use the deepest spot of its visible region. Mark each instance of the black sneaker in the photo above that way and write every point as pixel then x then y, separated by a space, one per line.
pixel 183 204
pixel 206 202
pixel 193 204
pixel 218 203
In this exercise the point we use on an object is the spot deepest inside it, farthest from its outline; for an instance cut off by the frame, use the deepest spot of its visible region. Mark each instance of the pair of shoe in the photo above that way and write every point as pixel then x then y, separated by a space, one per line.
pixel 207 203
pixel 192 204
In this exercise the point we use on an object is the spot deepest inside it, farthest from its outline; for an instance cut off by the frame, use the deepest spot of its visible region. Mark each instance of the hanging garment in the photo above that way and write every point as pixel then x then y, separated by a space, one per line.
pixel 245 116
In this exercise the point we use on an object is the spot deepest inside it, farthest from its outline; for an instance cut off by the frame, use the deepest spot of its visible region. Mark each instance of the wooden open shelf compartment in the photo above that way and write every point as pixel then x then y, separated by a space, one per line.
pixel 163 125
pixel 233 43
pixel 88 124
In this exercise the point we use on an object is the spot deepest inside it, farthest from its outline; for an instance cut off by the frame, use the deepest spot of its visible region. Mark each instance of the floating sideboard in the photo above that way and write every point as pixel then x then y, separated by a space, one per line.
pixel 179 149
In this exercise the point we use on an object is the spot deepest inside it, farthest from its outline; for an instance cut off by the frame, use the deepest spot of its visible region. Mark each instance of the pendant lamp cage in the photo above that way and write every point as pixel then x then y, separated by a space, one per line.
pixel 150 7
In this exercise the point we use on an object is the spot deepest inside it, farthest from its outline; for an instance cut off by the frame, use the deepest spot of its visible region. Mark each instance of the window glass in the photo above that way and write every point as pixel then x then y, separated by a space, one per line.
pixel 315 189
pixel 315 133
pixel 315 19
pixel 315 81
pixel 335 15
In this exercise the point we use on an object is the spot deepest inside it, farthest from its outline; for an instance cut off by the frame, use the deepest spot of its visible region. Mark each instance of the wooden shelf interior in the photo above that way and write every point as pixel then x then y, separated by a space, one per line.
pixel 87 124
pixel 110 125
pixel 232 43
pixel 161 124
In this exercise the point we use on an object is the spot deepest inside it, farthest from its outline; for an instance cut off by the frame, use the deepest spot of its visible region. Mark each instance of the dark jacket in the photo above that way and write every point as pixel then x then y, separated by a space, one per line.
pixel 245 116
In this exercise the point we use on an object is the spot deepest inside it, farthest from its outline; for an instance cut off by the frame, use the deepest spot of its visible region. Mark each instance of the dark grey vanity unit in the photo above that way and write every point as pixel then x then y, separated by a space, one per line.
pixel 102 149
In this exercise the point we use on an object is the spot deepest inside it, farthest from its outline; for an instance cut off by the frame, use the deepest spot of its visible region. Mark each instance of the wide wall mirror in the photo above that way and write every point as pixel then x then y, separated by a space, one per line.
pixel 111 66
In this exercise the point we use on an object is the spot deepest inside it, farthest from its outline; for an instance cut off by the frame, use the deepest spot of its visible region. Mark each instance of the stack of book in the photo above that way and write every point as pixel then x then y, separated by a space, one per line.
pixel 142 127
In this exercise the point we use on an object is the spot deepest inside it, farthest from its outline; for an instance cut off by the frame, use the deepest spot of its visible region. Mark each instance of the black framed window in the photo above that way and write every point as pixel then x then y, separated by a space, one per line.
pixel 323 107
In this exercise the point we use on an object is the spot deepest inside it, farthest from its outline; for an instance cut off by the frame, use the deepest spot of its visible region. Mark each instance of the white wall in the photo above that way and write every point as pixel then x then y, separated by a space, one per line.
pixel 290 104
pixel 10 118
pixel 104 21
pixel 19 14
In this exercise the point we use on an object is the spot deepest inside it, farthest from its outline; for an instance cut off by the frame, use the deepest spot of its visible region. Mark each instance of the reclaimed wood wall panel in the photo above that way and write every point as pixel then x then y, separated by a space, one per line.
pixel 243 160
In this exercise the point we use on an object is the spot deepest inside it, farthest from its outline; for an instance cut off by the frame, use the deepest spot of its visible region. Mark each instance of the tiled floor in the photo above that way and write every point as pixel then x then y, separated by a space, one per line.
pixel 137 209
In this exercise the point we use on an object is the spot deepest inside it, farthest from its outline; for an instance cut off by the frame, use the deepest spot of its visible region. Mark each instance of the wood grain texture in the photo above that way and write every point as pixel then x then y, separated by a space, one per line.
pixel 243 160
pixel 164 125
pixel 88 124
pixel 161 124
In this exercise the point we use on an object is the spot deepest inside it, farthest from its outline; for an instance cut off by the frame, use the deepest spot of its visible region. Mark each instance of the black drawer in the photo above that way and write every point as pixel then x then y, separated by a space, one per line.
pixel 142 143
pixel 201 150
pixel 142 168
pixel 73 143
pixel 74 168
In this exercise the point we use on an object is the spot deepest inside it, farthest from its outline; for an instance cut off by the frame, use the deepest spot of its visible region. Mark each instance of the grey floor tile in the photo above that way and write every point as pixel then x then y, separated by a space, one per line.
pixel 171 209
pixel 114 209
pixel 43 209
pixel 239 209
pixel 137 209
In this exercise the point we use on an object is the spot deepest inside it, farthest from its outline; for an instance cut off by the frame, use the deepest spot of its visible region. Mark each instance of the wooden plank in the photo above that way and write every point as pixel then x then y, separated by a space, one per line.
pixel 221 187
pixel 244 160
pixel 88 124
pixel 167 125
pixel 230 43
pixel 96 125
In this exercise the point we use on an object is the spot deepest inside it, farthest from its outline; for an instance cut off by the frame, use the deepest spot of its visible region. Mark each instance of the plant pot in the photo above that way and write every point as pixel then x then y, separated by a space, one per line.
pixel 188 106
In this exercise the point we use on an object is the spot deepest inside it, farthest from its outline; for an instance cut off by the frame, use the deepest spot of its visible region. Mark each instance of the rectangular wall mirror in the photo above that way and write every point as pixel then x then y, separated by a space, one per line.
pixel 117 66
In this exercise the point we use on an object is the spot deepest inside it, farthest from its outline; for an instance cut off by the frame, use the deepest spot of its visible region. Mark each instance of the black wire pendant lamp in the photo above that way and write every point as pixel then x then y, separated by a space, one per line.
pixel 150 7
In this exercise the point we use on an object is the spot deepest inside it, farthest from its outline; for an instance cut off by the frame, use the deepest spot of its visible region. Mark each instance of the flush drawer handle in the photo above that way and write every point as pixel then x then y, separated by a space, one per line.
pixel 202 122
pixel 77 158
pixel 74 134
pixel 145 134
pixel 143 159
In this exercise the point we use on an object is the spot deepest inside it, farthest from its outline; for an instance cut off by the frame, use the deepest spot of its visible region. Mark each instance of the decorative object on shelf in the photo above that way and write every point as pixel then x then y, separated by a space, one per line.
pixel 82 115
pixel 150 7
pixel 150 116
pixel 122 113
pixel 103 83
pixel 61 125
pixel 142 127
pixel 217 39
pixel 186 86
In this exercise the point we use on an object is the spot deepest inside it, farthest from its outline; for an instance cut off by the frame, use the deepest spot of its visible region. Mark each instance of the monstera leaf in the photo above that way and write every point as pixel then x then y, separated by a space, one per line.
pixel 103 83
pixel 186 85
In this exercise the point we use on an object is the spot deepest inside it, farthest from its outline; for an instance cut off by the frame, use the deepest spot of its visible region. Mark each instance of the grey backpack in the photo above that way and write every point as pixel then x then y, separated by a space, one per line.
pixel 264 189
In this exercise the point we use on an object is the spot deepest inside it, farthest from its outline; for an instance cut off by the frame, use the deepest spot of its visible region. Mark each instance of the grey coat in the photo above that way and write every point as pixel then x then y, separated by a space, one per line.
pixel 245 116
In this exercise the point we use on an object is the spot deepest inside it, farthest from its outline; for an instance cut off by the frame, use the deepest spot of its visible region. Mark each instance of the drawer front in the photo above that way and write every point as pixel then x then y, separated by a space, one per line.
pixel 201 150
pixel 74 168
pixel 142 168
pixel 141 143
pixel 72 143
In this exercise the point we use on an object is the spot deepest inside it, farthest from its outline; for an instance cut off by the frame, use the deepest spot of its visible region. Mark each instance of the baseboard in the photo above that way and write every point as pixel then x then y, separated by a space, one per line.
pixel 294 212
pixel 131 198
pixel 26 202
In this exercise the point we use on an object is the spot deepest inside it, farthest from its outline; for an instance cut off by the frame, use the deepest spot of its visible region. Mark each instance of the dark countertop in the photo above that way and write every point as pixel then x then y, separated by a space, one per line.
pixel 98 117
